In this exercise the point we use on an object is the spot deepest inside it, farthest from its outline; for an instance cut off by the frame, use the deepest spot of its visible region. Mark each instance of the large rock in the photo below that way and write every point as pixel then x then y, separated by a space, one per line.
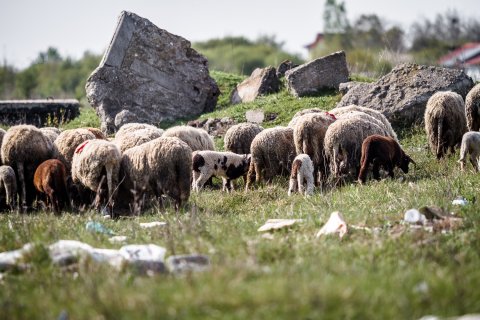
pixel 261 82
pixel 310 78
pixel 402 94
pixel 153 74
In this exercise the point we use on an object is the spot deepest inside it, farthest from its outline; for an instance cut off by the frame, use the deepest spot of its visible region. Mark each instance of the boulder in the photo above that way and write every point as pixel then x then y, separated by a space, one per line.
pixel 151 73
pixel 261 82
pixel 284 67
pixel 402 94
pixel 214 126
pixel 310 78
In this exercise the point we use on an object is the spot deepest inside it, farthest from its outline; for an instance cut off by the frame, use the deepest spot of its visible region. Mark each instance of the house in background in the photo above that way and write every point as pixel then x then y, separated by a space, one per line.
pixel 466 57
pixel 319 40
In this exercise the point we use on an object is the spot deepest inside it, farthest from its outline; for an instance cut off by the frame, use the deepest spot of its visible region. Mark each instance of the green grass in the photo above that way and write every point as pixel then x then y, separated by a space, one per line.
pixel 391 274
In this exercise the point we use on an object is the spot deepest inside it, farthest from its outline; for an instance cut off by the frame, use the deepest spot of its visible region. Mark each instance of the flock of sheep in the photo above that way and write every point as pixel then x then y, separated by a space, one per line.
pixel 80 168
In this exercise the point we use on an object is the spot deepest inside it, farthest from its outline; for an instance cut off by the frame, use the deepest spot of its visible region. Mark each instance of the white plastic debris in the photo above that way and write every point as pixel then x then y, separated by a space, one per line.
pixel 11 259
pixel 460 201
pixel 152 224
pixel 188 263
pixel 414 216
pixel 274 224
pixel 335 224
pixel 117 239
pixel 149 252
pixel 110 256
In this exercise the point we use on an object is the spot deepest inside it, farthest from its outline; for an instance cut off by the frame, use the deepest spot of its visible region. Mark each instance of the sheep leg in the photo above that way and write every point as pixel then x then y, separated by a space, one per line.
pixel 251 175
pixel 227 184
pixel 21 180
pixel 109 170
pixel 376 169
pixel 201 181
pixel 390 171
pixel 300 181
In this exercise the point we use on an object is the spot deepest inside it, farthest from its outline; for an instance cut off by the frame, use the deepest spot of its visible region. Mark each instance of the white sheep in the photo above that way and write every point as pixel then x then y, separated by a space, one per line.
pixel 8 186
pixel 196 138
pixel 68 141
pixel 302 173
pixel 445 122
pixel 239 137
pixel 129 128
pixel 136 138
pixel 470 146
pixel 227 165
pixel 93 161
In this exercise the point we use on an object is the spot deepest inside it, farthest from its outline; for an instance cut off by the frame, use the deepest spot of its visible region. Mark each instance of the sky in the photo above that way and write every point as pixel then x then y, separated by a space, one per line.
pixel 28 27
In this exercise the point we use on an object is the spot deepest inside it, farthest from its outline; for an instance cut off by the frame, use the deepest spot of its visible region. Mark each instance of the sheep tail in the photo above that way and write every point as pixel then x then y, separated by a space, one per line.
pixel 439 138
pixel 109 170
pixel 21 180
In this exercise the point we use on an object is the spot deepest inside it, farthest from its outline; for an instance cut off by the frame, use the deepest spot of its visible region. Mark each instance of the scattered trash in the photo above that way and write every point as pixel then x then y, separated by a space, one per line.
pixel 274 224
pixel 117 239
pixel 11 259
pixel 152 224
pixel 414 216
pixel 434 212
pixel 335 224
pixel 94 226
pixel 460 201
pixel 373 230
pixel 188 263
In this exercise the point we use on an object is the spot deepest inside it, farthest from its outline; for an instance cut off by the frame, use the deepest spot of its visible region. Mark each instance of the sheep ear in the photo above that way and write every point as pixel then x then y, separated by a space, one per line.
pixel 411 160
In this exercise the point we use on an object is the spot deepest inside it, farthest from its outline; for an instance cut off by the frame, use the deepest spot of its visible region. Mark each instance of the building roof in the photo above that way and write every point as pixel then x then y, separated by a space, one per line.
pixel 467 54
pixel 319 38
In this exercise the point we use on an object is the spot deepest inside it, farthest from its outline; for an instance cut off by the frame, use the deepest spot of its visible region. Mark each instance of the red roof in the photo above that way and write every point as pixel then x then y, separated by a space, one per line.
pixel 462 55
pixel 319 38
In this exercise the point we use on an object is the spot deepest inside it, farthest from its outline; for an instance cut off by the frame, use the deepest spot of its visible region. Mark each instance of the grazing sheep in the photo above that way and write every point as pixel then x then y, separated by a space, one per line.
pixel 68 141
pixel 51 179
pixel 51 133
pixel 445 122
pixel 341 111
pixel 309 134
pixel 343 143
pixel 472 108
pixel 227 165
pixel 239 137
pixel 470 146
pixel 24 147
pixel 128 128
pixel 136 138
pixel 160 166
pixel 300 113
pixel 302 173
pixel 97 133
pixel 93 161
pixel 382 151
pixel 8 187
pixel 196 138
pixel 273 152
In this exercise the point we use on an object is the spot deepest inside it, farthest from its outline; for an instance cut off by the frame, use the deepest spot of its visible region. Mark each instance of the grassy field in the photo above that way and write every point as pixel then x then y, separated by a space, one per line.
pixel 395 272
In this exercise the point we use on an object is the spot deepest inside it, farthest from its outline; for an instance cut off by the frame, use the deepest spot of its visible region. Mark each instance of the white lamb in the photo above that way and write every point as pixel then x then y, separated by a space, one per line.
pixel 302 173
pixel 470 146
pixel 227 165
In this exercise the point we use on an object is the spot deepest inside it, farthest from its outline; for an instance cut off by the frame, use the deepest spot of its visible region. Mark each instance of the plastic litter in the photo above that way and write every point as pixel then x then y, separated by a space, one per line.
pixel 414 216
pixel 11 259
pixel 274 224
pixel 152 224
pixel 117 239
pixel 97 227
pixel 460 201
pixel 335 224
pixel 188 263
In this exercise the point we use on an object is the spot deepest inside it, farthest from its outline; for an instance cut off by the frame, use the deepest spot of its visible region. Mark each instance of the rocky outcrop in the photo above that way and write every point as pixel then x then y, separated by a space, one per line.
pixel 151 73
pixel 260 82
pixel 402 94
pixel 326 72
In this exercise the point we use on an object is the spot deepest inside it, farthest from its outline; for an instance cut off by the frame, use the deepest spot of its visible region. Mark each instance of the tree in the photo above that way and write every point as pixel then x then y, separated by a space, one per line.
pixel 335 17
pixel 26 81
pixel 51 55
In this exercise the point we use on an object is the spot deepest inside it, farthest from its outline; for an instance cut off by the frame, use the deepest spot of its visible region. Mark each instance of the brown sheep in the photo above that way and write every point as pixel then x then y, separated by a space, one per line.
pixel 50 179
pixel 382 151
pixel 445 122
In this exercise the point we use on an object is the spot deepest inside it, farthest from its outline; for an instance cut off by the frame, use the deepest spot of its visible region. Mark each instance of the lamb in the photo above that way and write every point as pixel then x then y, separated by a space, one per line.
pixel 129 128
pixel 445 122
pixel 382 151
pixel 239 137
pixel 472 108
pixel 68 141
pixel 94 160
pixel 8 187
pixel 309 134
pixel 341 111
pixel 51 179
pixel 300 113
pixel 227 165
pixel 196 138
pixel 136 138
pixel 273 152
pixel 470 146
pixel 302 173
pixel 161 166
pixel 343 143
pixel 24 147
